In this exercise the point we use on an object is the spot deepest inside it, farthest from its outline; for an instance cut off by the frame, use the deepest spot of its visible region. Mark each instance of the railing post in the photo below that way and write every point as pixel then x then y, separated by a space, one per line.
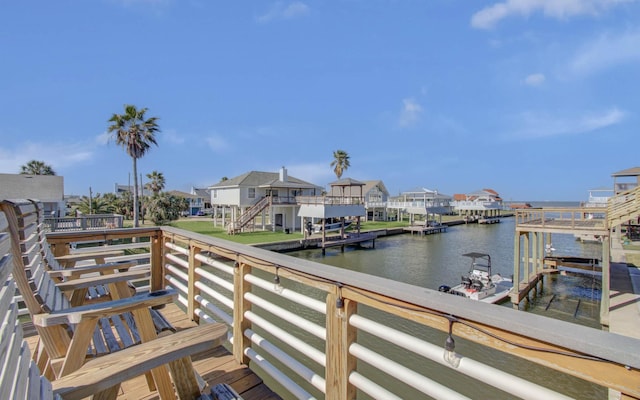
pixel 606 280
pixel 340 335
pixel 157 260
pixel 192 290
pixel 240 305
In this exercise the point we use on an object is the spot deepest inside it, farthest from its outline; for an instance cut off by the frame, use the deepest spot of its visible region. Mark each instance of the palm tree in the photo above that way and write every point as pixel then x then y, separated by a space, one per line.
pixel 340 162
pixel 136 135
pixel 157 182
pixel 35 167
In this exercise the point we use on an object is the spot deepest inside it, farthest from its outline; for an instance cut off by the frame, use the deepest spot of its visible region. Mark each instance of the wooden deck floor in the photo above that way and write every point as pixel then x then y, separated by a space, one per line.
pixel 215 366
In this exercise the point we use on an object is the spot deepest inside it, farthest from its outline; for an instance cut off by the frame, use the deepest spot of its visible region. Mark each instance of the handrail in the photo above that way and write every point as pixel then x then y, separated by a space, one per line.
pixel 235 283
pixel 623 207
pixel 83 222
pixel 249 215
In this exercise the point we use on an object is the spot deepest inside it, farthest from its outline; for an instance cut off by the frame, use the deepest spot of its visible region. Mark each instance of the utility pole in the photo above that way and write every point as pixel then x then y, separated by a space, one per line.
pixel 90 201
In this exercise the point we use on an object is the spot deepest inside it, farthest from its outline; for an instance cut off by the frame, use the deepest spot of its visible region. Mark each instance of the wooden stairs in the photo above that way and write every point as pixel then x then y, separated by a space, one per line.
pixel 623 207
pixel 248 216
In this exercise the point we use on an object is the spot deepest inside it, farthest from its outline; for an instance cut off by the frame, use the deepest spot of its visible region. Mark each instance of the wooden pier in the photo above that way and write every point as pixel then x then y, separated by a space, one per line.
pixel 425 230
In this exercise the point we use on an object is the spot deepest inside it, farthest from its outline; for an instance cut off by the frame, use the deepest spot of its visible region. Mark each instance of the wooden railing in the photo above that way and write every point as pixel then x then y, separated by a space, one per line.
pixel 248 215
pixel 567 220
pixel 623 207
pixel 83 222
pixel 322 332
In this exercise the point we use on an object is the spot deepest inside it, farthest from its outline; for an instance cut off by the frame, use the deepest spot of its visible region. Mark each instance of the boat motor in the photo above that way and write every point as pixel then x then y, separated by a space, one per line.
pixel 444 289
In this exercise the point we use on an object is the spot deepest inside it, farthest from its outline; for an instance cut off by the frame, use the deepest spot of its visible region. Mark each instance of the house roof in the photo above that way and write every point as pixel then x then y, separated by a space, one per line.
pixel 347 182
pixel 201 192
pixel 264 179
pixel 368 185
pixel 635 171
pixel 184 194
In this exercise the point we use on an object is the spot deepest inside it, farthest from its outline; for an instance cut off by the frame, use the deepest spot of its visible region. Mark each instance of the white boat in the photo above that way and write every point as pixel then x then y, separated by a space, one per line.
pixel 479 284
pixel 330 225
pixel 598 198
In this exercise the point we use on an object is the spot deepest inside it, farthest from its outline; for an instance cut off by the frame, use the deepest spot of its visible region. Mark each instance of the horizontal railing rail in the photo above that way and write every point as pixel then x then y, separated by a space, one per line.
pixel 330 200
pixel 623 207
pixel 322 332
pixel 83 222
pixel 574 219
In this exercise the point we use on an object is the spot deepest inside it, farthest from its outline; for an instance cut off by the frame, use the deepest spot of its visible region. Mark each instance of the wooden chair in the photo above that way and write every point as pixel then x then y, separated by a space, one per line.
pixel 68 335
pixel 30 216
pixel 20 376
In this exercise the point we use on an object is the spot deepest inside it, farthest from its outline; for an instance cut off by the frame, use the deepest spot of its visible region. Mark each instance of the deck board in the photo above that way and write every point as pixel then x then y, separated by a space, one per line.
pixel 214 366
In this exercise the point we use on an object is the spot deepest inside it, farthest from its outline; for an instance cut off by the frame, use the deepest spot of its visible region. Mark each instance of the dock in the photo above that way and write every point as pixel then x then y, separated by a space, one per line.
pixel 425 230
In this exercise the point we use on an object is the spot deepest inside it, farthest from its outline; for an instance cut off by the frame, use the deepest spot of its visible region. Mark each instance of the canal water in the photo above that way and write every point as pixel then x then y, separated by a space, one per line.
pixel 432 260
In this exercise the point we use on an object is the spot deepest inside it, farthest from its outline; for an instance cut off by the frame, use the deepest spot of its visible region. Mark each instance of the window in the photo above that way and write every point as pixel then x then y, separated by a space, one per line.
pixel 252 193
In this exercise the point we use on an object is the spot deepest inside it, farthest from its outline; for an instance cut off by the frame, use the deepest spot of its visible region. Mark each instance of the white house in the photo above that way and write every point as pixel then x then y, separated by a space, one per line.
pixel 485 202
pixel 269 195
pixel 49 189
pixel 375 200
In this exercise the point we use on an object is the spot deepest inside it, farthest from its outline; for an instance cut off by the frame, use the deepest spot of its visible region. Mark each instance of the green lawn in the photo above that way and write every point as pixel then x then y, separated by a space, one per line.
pixel 205 227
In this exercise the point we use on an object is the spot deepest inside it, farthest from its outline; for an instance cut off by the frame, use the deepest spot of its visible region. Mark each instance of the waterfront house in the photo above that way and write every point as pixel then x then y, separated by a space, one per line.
pixel 626 179
pixel 205 194
pixel 256 199
pixel 196 203
pixel 485 203
pixel 375 200
pixel 420 201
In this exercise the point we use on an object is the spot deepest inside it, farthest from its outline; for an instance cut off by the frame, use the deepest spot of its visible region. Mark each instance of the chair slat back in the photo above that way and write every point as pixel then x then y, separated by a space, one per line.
pixel 42 287
pixel 19 375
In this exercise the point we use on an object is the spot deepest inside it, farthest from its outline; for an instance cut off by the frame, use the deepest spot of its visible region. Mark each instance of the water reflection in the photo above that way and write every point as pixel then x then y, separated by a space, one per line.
pixel 433 260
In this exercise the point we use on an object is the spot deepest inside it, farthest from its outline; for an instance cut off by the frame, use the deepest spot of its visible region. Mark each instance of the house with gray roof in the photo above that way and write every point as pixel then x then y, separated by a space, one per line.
pixel 196 202
pixel 375 200
pixel 49 189
pixel 263 200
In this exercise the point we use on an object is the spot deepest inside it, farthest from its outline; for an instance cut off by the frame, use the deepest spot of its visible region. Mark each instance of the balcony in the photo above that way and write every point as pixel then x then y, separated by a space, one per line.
pixel 316 331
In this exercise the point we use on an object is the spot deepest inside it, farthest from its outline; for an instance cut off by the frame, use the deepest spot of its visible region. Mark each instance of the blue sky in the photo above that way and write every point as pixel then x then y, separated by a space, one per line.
pixel 538 100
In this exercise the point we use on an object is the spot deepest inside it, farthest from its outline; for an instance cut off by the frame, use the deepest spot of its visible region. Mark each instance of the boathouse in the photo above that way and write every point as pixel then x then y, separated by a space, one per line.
pixel 534 239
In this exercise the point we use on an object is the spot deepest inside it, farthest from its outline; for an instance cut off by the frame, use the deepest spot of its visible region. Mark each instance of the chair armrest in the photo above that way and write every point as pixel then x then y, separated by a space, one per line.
pixel 108 268
pixel 76 315
pixel 104 372
pixel 92 281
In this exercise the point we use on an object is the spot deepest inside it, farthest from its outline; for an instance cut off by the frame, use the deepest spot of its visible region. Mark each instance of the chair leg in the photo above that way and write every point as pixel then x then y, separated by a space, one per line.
pixel 107 394
pixel 184 378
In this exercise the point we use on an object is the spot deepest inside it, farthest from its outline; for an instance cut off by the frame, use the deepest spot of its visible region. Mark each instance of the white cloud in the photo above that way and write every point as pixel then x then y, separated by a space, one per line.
pixel 535 79
pixel 171 136
pixel 606 51
pixel 535 125
pixel 410 113
pixel 217 143
pixel 57 155
pixel 281 11
pixel 103 138
pixel 489 16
